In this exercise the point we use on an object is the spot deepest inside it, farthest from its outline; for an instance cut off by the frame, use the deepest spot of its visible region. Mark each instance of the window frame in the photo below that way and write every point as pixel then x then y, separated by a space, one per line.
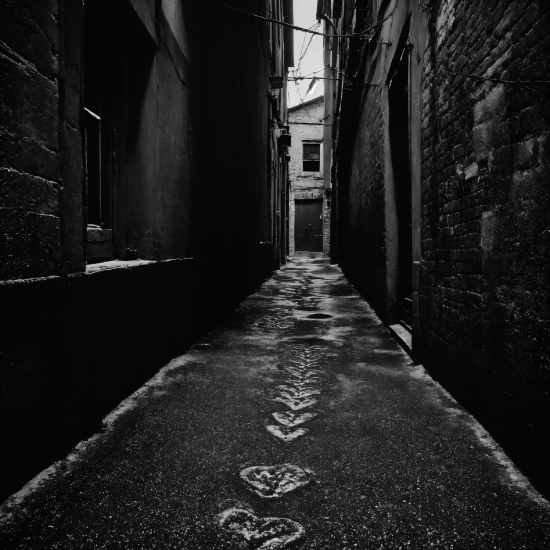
pixel 310 172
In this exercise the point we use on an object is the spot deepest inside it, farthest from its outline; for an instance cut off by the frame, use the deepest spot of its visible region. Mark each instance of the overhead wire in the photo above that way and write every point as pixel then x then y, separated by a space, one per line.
pixel 361 36
pixel 300 57
pixel 302 51
pixel 314 72
pixel 312 77
pixel 305 51
pixel 309 75
pixel 366 34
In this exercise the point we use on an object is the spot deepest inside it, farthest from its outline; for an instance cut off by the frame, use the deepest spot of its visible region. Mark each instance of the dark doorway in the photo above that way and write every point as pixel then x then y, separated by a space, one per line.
pixel 308 227
pixel 399 100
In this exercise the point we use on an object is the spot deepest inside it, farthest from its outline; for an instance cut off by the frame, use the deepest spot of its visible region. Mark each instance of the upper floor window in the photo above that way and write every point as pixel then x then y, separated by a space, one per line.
pixel 311 157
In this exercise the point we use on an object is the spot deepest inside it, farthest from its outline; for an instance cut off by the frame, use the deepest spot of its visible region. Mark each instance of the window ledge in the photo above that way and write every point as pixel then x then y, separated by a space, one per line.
pixel 120 264
pixel 115 264
pixel 93 268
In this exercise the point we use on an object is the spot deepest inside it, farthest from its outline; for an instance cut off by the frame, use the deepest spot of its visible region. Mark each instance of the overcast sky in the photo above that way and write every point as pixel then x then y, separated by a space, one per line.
pixel 304 16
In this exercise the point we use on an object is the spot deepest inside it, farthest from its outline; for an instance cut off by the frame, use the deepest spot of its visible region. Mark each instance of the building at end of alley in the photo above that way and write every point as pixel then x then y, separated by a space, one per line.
pixel 310 191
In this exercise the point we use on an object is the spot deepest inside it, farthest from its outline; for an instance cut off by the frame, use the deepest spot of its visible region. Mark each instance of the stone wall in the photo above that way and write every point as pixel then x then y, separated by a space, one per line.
pixel 30 170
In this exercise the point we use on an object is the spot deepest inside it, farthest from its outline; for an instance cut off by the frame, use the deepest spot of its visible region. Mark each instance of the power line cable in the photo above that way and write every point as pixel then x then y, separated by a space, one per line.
pixel 302 52
pixel 302 55
pixel 362 36
pixel 311 78
pixel 305 51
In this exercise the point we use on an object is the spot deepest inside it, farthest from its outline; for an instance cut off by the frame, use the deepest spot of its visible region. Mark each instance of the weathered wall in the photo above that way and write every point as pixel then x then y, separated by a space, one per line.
pixel 155 220
pixel 311 112
pixel 484 275
pixel 42 135
pixel 191 199
pixel 479 153
pixel 30 171
pixel 73 347
pixel 364 256
pixel 42 176
pixel 367 197
pixel 233 207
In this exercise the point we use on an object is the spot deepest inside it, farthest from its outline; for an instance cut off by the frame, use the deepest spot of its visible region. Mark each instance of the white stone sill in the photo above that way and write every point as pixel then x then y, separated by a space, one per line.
pixel 115 264
pixel 119 264
pixel 94 268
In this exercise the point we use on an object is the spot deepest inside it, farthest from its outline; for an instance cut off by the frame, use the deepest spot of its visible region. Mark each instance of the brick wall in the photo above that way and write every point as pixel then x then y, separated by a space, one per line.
pixel 366 252
pixel 311 112
pixel 367 211
pixel 485 224
pixel 482 204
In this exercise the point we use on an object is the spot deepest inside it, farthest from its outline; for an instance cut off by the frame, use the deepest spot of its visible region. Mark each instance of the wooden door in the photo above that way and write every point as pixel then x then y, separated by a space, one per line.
pixel 308 228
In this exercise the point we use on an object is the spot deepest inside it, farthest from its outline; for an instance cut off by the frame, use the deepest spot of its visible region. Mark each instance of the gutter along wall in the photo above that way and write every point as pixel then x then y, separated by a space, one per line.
pixel 187 216
pixel 478 209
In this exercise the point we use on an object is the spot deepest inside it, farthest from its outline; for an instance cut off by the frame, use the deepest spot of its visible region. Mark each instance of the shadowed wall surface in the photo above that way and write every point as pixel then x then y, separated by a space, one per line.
pixel 186 155
pixel 480 203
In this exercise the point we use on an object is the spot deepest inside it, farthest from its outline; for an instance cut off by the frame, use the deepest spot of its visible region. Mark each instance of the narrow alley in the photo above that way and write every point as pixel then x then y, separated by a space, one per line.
pixel 299 420
pixel 274 274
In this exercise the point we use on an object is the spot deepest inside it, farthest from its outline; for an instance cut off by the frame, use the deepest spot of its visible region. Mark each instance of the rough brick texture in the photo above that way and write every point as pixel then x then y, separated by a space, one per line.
pixel 359 164
pixel 29 141
pixel 481 318
pixel 485 216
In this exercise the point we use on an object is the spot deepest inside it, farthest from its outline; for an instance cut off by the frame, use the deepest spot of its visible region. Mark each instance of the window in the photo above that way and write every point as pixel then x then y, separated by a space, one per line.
pixel 311 157
pixel 118 56
pixel 92 141
pixel 100 63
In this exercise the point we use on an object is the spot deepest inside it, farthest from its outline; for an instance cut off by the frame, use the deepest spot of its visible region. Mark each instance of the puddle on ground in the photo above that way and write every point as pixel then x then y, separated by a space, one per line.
pixel 319 316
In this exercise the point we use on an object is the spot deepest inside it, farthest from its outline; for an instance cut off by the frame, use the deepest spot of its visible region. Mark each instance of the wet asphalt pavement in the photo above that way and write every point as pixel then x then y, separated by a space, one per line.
pixel 298 423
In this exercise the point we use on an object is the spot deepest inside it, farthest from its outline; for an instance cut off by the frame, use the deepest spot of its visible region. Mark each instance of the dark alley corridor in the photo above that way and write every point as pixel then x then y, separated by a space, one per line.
pixel 274 274
pixel 298 421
